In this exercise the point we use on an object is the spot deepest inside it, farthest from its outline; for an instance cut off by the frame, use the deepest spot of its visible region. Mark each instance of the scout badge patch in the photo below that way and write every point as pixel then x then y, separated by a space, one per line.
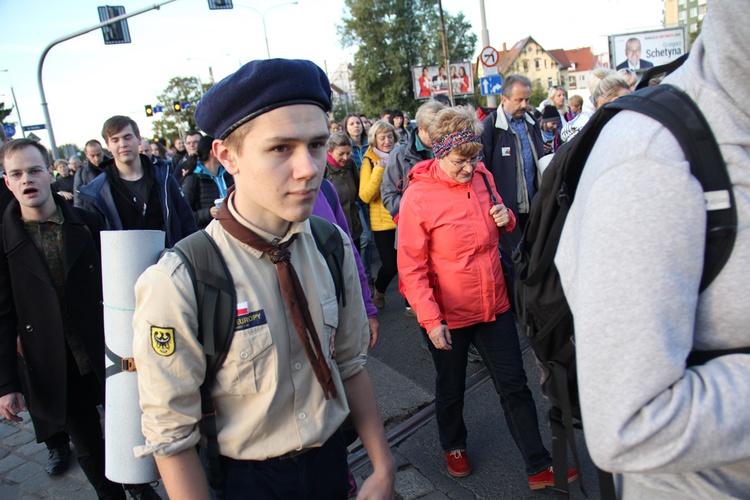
pixel 162 340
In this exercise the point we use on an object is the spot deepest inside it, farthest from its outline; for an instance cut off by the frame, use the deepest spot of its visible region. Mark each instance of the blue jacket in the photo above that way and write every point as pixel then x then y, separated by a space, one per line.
pixel 98 196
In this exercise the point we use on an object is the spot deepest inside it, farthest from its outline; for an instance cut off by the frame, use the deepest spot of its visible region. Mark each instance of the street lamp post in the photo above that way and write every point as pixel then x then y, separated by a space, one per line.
pixel 491 99
pixel 40 83
pixel 263 18
pixel 15 105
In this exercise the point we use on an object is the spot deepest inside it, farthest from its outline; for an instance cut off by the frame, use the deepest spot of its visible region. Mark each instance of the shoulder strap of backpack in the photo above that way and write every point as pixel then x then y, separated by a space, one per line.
pixel 216 303
pixel 679 113
pixel 660 71
pixel 331 246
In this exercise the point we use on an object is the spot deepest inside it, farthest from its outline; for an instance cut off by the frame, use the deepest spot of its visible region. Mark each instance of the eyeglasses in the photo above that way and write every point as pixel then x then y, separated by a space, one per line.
pixel 471 161
pixel 15 175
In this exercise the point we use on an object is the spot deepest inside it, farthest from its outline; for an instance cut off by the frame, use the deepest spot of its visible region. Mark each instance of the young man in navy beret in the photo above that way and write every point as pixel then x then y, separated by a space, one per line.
pixel 295 368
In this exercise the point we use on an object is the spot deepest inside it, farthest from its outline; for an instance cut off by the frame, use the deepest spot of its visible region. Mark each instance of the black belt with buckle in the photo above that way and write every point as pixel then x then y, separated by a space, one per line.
pixel 292 454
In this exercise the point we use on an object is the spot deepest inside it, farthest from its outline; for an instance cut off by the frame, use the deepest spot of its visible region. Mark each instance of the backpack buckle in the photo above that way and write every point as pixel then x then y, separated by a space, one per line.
pixel 127 364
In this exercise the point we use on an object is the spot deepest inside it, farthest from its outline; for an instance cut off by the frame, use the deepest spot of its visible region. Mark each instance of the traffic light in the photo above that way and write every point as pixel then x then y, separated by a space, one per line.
pixel 117 32
pixel 149 111
pixel 219 4
pixel 177 106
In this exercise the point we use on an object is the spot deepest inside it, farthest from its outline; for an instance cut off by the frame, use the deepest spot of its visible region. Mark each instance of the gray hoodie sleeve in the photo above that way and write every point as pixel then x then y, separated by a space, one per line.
pixel 389 192
pixel 630 258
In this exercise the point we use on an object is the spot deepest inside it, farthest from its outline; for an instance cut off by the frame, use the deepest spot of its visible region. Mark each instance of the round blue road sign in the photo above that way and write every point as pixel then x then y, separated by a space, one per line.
pixel 10 130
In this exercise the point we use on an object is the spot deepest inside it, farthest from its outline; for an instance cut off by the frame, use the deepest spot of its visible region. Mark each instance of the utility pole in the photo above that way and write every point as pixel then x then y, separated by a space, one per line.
pixel 15 105
pixel 45 109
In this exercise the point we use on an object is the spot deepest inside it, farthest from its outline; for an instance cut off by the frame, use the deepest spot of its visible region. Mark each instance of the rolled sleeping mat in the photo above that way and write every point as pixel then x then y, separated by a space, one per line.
pixel 125 256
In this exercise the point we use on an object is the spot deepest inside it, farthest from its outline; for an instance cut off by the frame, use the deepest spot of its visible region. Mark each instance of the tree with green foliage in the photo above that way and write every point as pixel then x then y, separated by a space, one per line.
pixel 4 113
pixel 65 151
pixel 392 36
pixel 171 124
pixel 538 94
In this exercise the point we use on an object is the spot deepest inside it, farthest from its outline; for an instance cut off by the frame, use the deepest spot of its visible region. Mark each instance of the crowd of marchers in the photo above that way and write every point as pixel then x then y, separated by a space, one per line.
pixel 436 198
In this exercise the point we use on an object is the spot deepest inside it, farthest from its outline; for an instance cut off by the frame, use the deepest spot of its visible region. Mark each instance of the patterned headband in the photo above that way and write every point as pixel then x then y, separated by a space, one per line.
pixel 447 143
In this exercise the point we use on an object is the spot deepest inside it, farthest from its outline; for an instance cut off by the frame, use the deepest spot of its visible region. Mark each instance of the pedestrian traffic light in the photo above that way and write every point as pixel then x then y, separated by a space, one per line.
pixel 177 106
pixel 149 111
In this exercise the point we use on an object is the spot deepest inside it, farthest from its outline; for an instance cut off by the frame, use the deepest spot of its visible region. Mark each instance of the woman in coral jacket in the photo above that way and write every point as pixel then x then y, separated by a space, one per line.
pixel 449 264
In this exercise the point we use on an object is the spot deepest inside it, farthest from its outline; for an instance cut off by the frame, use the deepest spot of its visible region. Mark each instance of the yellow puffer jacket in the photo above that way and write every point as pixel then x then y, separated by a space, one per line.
pixel 370 178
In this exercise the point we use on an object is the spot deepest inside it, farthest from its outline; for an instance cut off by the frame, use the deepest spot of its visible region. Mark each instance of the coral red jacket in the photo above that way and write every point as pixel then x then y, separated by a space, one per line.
pixel 448 258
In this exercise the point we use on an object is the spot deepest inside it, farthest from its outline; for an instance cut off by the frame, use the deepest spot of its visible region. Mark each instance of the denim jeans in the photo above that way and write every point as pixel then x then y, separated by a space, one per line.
pixel 497 343
pixel 366 241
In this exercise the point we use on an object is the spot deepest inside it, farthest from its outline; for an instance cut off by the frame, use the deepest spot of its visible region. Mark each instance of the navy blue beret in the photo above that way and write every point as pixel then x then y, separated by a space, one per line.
pixel 259 87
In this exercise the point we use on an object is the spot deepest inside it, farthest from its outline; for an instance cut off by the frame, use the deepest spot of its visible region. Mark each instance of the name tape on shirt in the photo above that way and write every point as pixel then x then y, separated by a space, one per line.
pixel 162 340
pixel 247 319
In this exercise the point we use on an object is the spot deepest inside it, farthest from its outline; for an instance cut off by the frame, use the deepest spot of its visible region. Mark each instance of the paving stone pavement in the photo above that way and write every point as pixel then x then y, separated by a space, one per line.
pixel 22 474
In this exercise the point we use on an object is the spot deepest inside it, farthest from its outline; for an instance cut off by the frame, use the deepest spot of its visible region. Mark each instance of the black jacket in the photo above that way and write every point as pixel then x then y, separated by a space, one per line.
pixel 63 184
pixel 502 156
pixel 83 176
pixel 29 307
pixel 200 192
pixel 107 196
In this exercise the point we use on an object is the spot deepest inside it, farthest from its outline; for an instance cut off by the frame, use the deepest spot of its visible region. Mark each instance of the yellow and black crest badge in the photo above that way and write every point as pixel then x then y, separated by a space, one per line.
pixel 162 340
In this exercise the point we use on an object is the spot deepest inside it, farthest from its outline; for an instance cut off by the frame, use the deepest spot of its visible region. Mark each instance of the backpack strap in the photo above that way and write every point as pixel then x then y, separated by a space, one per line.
pixel 660 71
pixel 216 300
pixel 331 246
pixel 678 112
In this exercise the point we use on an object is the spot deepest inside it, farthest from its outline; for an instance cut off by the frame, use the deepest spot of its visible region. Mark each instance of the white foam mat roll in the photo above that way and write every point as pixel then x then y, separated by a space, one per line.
pixel 125 256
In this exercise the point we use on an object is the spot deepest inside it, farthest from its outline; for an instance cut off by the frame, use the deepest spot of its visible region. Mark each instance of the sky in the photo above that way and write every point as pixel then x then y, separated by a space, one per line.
pixel 86 82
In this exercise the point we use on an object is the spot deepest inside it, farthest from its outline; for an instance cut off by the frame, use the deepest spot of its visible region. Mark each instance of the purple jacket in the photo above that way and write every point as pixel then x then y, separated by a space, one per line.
pixel 336 215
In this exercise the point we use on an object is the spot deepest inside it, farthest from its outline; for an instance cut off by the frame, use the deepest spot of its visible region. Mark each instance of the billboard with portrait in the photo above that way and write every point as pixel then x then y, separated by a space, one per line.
pixel 428 81
pixel 644 50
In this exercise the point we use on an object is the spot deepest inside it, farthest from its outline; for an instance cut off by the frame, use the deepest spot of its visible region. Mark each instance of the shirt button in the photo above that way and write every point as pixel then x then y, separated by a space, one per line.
pixel 297 366
pixel 244 354
pixel 29 328
pixel 302 416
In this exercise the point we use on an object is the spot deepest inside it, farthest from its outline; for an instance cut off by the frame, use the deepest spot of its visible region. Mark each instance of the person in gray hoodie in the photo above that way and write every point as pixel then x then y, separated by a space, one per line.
pixel 631 258
pixel 418 147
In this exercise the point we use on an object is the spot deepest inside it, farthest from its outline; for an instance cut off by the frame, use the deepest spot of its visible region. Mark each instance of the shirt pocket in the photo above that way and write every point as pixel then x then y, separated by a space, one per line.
pixel 251 364
pixel 330 325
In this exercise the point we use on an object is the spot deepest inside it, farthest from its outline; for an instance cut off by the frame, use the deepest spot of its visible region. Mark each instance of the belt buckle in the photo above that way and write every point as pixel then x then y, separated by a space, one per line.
pixel 293 454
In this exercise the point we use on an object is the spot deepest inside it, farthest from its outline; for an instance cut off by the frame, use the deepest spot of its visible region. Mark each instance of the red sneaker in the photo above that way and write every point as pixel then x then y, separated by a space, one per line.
pixel 458 463
pixel 546 478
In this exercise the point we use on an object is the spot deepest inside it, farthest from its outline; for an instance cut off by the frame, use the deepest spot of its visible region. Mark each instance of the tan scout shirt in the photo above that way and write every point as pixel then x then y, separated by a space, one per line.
pixel 268 399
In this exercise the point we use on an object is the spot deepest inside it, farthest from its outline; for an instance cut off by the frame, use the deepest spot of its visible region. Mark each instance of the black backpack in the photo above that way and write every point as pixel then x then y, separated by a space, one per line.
pixel 543 312
pixel 217 309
